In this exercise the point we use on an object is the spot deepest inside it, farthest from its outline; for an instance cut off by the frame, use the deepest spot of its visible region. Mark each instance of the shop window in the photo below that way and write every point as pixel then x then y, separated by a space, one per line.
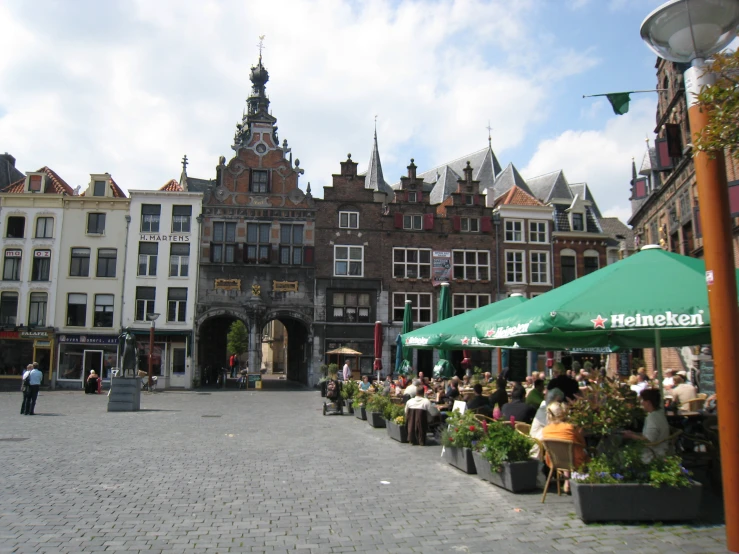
pixel 179 260
pixel 223 248
pixel 412 263
pixel 515 266
pixel 107 258
pixel 8 308
pixel 95 224
pixel 12 265
pixel 462 303
pixel 148 254
pixel 37 309
pixel 351 307
pixel 76 310
pixel 348 261
pixel 259 181
pixel 145 297
pixel 472 265
pixel 41 265
pixel 291 244
pixel 98 188
pixel 15 227
pixel 181 216
pixel 150 215
pixel 349 220
pixel 176 304
pixel 44 227
pixel 79 265
pixel 104 306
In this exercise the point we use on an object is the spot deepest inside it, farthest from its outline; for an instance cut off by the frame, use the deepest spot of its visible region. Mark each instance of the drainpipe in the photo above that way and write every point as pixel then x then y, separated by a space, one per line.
pixel 196 255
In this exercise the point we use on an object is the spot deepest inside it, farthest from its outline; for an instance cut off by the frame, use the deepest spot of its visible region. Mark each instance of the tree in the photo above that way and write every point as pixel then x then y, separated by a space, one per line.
pixel 721 102
pixel 238 338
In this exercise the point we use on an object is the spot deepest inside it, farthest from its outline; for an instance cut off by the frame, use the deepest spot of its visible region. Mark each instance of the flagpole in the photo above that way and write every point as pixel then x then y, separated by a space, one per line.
pixel 627 92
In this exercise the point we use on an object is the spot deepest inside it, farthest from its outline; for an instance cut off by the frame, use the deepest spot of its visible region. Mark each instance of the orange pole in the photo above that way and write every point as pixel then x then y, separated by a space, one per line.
pixel 713 199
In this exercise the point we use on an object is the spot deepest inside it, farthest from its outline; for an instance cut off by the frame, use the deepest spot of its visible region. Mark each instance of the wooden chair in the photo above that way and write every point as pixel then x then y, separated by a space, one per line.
pixel 481 418
pixel 523 428
pixel 694 405
pixel 671 441
pixel 702 395
pixel 562 459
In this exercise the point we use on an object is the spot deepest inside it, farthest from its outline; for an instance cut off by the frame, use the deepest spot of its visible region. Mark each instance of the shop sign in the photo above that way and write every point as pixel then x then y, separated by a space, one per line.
pixel 42 253
pixel 441 268
pixel 89 339
pixel 164 238
pixel 14 253
pixel 228 284
pixel 8 334
pixel 285 286
pixel 34 335
pixel 42 343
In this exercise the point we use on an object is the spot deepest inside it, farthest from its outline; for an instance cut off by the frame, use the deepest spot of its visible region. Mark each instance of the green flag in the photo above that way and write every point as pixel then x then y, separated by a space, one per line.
pixel 619 102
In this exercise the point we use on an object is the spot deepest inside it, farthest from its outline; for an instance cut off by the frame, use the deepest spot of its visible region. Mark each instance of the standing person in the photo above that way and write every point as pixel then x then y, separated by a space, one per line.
pixel 347 371
pixel 232 364
pixel 34 377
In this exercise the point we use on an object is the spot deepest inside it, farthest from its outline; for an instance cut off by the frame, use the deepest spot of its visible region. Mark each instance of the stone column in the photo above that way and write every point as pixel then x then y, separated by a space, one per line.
pixel 254 345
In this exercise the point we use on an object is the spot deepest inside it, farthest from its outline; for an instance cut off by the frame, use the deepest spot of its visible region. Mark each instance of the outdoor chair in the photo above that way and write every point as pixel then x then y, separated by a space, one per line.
pixel 694 405
pixel 523 428
pixel 671 441
pixel 702 395
pixel 562 458
pixel 483 418
pixel 418 427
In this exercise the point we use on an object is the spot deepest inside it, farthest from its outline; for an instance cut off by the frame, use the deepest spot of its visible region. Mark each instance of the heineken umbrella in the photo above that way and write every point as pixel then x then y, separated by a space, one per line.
pixel 458 332
pixel 377 366
pixel 444 367
pixel 402 362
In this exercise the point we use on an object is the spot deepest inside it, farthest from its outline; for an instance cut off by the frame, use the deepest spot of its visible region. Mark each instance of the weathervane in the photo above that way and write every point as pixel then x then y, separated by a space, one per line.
pixel 261 46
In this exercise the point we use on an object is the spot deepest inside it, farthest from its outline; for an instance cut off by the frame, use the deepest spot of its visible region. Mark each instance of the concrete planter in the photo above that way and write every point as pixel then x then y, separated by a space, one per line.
pixel 461 458
pixel 635 502
pixel 348 404
pixel 513 477
pixel 396 432
pixel 376 420
pixel 360 413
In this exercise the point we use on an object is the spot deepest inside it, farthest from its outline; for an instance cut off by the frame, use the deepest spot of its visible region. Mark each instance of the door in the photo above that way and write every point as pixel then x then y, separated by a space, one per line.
pixel 43 357
pixel 92 359
pixel 178 368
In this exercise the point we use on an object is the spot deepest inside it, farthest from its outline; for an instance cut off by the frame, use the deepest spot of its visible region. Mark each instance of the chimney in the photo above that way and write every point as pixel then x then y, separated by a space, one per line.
pixel 9 158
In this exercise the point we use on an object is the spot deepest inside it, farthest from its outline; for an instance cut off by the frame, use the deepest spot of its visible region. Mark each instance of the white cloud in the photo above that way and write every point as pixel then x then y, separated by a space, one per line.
pixel 600 157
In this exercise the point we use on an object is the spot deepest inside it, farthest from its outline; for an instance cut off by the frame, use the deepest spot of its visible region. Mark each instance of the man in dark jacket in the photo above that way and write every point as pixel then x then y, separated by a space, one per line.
pixel 479 402
pixel 564 383
pixel 518 408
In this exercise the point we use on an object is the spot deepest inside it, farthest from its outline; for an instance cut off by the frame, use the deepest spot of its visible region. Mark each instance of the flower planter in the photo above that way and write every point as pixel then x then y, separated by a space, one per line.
pixel 397 432
pixel 514 476
pixel 635 502
pixel 461 458
pixel 348 404
pixel 360 412
pixel 376 420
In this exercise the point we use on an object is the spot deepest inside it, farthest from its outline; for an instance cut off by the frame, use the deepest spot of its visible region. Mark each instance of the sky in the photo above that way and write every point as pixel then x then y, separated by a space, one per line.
pixel 130 86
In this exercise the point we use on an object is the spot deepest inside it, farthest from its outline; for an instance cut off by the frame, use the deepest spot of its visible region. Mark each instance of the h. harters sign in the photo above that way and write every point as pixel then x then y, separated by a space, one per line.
pixel 151 237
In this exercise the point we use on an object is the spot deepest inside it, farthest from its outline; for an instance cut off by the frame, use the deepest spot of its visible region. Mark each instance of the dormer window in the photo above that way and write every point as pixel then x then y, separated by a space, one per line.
pixel 35 183
pixel 98 188
pixel 578 222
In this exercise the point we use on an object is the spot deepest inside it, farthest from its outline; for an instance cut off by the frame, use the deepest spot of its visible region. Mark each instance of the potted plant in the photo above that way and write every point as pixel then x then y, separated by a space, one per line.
pixel 395 422
pixel 502 457
pixel 348 390
pixel 621 486
pixel 601 411
pixel 375 409
pixel 360 404
pixel 462 433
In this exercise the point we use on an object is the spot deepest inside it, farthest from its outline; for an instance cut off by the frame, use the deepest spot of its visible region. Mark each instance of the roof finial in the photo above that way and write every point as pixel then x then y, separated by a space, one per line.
pixel 375 127
pixel 261 47
pixel 490 138
pixel 646 139
pixel 184 163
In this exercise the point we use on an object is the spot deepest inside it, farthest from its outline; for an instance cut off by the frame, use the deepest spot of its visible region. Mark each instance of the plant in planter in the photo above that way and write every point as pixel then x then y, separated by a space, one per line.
pixel 348 390
pixel 462 433
pixel 502 458
pixel 621 486
pixel 603 410
pixel 359 404
pixel 376 408
pixel 395 422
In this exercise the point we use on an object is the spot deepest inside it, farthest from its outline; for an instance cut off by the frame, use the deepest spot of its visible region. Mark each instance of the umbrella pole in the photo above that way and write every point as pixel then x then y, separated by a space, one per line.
pixel 658 361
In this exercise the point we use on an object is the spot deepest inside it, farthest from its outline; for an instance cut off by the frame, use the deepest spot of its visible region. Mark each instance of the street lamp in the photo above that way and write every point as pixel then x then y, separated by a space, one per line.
pixel 691 31
pixel 151 317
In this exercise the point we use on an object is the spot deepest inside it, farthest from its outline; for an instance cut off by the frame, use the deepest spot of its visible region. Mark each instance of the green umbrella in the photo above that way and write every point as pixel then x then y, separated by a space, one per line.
pixel 402 361
pixel 458 332
pixel 444 367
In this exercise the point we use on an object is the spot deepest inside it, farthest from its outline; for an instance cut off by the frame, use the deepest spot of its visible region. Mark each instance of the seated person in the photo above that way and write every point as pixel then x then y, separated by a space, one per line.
pixel 540 419
pixel 656 429
pixel 563 382
pixel 365 384
pixel 91 386
pixel 669 381
pixel 452 391
pixel 641 383
pixel 517 408
pixel 466 381
pixel 419 411
pixel 479 403
pixel 682 391
pixel 558 428
pixel 410 390
pixel 500 396
pixel 332 390
pixel 536 395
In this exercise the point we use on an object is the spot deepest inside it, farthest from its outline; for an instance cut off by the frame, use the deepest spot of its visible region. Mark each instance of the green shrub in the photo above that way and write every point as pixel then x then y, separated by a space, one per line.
pixel 462 430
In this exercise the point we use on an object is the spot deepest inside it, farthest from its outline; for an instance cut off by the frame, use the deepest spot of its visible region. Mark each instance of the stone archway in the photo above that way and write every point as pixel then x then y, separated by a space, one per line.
pixel 290 341
pixel 212 337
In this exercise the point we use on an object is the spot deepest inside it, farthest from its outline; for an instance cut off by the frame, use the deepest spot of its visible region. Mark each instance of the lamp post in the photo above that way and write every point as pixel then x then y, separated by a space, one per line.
pixel 689 31
pixel 151 317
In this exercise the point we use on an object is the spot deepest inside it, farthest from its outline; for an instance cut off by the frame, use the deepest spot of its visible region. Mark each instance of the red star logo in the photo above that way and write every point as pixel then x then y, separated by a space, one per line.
pixel 490 333
pixel 599 322
pixel 465 340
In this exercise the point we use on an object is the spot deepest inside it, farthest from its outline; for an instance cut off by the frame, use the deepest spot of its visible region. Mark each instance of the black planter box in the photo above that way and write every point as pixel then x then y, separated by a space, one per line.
pixel 514 476
pixel 635 502
pixel 376 420
pixel 461 458
pixel 397 432
pixel 360 413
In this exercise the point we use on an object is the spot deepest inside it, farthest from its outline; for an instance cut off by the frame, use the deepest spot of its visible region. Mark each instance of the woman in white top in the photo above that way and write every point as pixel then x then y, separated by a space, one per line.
pixel 540 419
pixel 656 429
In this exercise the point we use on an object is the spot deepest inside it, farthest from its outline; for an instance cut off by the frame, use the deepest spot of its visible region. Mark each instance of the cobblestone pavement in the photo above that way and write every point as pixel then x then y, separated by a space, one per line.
pixel 264 471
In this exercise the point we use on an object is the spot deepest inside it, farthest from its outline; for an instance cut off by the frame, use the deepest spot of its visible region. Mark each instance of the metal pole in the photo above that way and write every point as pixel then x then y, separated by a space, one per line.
pixel 658 361
pixel 151 353
pixel 713 199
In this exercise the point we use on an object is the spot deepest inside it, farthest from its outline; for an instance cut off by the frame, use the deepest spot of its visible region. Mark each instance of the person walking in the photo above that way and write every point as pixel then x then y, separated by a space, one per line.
pixel 34 376
pixel 347 371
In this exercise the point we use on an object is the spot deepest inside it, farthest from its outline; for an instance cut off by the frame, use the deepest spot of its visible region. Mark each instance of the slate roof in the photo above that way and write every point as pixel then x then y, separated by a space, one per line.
pixel 617 229
pixel 649 161
pixel 171 186
pixel 9 174
pixel 509 178
pixel 445 184
pixel 54 184
pixel 583 191
pixel 373 178
pixel 516 197
pixel 199 185
pixel 550 185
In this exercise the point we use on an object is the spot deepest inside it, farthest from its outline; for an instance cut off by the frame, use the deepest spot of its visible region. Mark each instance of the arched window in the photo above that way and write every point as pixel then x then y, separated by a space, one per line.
pixel 591 261
pixel 568 265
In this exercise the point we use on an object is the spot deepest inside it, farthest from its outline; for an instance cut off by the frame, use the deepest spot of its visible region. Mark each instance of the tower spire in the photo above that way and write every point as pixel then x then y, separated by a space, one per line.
pixel 374 179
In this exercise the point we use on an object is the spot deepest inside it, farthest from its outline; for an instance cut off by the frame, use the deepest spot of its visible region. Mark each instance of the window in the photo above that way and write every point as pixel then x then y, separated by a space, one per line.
pixel 654 233
pixel 37 309
pixel 106 262
pixel 412 263
pixel 8 308
pixel 577 222
pixel 178 360
pixel 95 224
pixel 259 180
pixel 144 302
pixel 514 230
pixel 223 249
pixel 12 266
pixel 98 188
pixel 514 266
pixel 420 306
pixel 181 216
pixel 412 196
pixel 257 243
pixel 291 244
pixel 538 232
pixel 351 307
pixel 176 304
pixel 349 220
pixel 179 260
pixel 349 261
pixel 34 183
pixel 15 227
pixel 41 265
pixel 79 265
pixel 465 302
pixel 469 224
pixel 103 310
pixel 473 265
pixel 150 214
pixel 148 254
pixel 568 261
pixel 44 227
pixel 591 262
pixel 539 264
pixel 414 222
pixel 469 199
pixel 76 310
